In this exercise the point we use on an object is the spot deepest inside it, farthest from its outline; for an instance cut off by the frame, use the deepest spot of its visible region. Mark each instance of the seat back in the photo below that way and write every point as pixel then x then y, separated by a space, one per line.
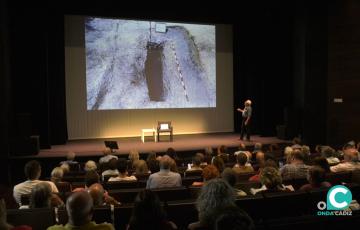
pixel 37 218
pixel 170 194
pixel 190 173
pixel 339 177
pixel 112 185
pixel 162 126
pixel 63 187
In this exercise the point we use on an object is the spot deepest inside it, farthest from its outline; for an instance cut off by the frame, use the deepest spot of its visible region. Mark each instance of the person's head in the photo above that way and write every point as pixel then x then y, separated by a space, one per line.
pixel 351 155
pixel 327 151
pixel 70 156
pixel 215 196
pixel 258 147
pixel 171 153
pixel 305 150
pixel 287 153
pixel 134 155
pixel 222 149
pixel 153 165
pixel 141 167
pixel 260 158
pixel 233 219
pixel 218 162
pixel 151 156
pixel 322 162
pixel 247 103
pixel 79 207
pixel 32 170
pixel 90 166
pixel 96 192
pixel 209 151
pixel 201 157
pixel 241 158
pixel 41 195
pixel 91 177
pixel 113 162
pixel 271 163
pixel 270 177
pixel 242 147
pixel 107 151
pixel 316 175
pixel 349 145
pixel 229 175
pixel 196 161
pixel 297 156
pixel 122 165
pixel 147 211
pixel 57 174
pixel 165 162
pixel 210 172
pixel 65 167
pixel 296 141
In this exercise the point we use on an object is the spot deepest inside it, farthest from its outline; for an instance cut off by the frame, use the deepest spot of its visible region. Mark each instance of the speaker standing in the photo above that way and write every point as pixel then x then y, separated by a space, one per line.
pixel 246 120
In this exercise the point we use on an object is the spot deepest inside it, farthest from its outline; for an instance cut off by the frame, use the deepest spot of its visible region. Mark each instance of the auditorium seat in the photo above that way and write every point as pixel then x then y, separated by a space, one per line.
pixel 187 181
pixel 125 195
pixel 339 177
pixel 296 183
pixel 101 214
pixel 242 177
pixel 170 194
pixel 193 173
pixel 142 177
pixel 112 185
pixel 63 187
pixel 246 186
pixel 38 218
pixel 182 213
pixel 253 205
pixel 122 216
pixel 25 199
pixel 107 177
pixel 194 191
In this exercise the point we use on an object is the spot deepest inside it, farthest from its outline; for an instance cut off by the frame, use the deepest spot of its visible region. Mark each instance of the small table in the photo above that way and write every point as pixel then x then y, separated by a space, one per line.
pixel 144 131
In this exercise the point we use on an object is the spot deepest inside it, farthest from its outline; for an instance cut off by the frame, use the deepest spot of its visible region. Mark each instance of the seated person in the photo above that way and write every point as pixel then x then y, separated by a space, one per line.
pixel 90 166
pixel 123 174
pixel 229 175
pixel 195 166
pixel 240 166
pixel 233 218
pixel 148 213
pixel 222 152
pixel 208 173
pixel 329 154
pixel 218 162
pixel 97 192
pixel 3 219
pixel 152 163
pixel 316 178
pixel 203 162
pixel 271 181
pixel 70 159
pixel 57 174
pixel 350 163
pixel 296 169
pixel 164 178
pixel 261 163
pixel 141 168
pixel 112 171
pixel 42 197
pixel 79 207
pixel 32 171
pixel 322 162
pixel 107 156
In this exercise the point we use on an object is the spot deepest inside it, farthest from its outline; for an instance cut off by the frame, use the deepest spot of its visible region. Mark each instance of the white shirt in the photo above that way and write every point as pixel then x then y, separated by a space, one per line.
pixel 346 166
pixel 163 179
pixel 25 188
pixel 107 158
pixel 128 178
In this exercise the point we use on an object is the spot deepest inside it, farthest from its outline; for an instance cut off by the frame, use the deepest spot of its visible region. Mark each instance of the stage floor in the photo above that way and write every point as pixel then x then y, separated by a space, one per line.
pixel 94 147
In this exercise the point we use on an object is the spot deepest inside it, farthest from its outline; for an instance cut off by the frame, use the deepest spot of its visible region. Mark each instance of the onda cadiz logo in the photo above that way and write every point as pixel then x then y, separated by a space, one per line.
pixel 337 200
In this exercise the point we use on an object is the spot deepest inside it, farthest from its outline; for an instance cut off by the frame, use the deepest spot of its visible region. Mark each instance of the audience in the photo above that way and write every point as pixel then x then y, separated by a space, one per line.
pixel 141 168
pixel 316 178
pixel 233 218
pixel 148 213
pixel 32 171
pixel 153 163
pixel 296 168
pixel 257 148
pixel 65 167
pixel 90 166
pixel 208 173
pixel 42 197
pixel 70 159
pixel 107 156
pixel 164 178
pixel 241 166
pixel 322 162
pixel 271 181
pixel 222 152
pixel 218 162
pixel 172 154
pixel 3 219
pixel 79 207
pixel 209 154
pixel 122 172
pixel 203 162
pixel 97 192
pixel 196 162
pixel 350 163
pixel 229 175
pixel 112 171
pixel 215 197
pixel 133 157
pixel 57 174
pixel 329 154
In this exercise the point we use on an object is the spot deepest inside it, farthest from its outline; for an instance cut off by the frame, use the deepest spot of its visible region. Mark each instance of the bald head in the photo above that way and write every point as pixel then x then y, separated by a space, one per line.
pixel 260 158
pixel 79 208
pixel 96 191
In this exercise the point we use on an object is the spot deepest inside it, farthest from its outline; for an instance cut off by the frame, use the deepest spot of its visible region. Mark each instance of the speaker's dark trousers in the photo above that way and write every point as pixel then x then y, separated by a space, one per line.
pixel 245 129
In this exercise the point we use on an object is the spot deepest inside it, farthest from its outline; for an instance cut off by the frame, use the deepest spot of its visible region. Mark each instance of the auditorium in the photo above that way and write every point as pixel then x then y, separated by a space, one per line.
pixel 180 115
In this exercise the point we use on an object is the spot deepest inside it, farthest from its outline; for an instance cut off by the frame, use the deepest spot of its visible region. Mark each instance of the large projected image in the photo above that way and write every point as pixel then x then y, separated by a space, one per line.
pixel 146 64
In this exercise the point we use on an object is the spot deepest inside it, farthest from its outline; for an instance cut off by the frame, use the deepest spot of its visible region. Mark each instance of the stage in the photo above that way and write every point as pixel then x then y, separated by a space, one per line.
pixel 181 143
